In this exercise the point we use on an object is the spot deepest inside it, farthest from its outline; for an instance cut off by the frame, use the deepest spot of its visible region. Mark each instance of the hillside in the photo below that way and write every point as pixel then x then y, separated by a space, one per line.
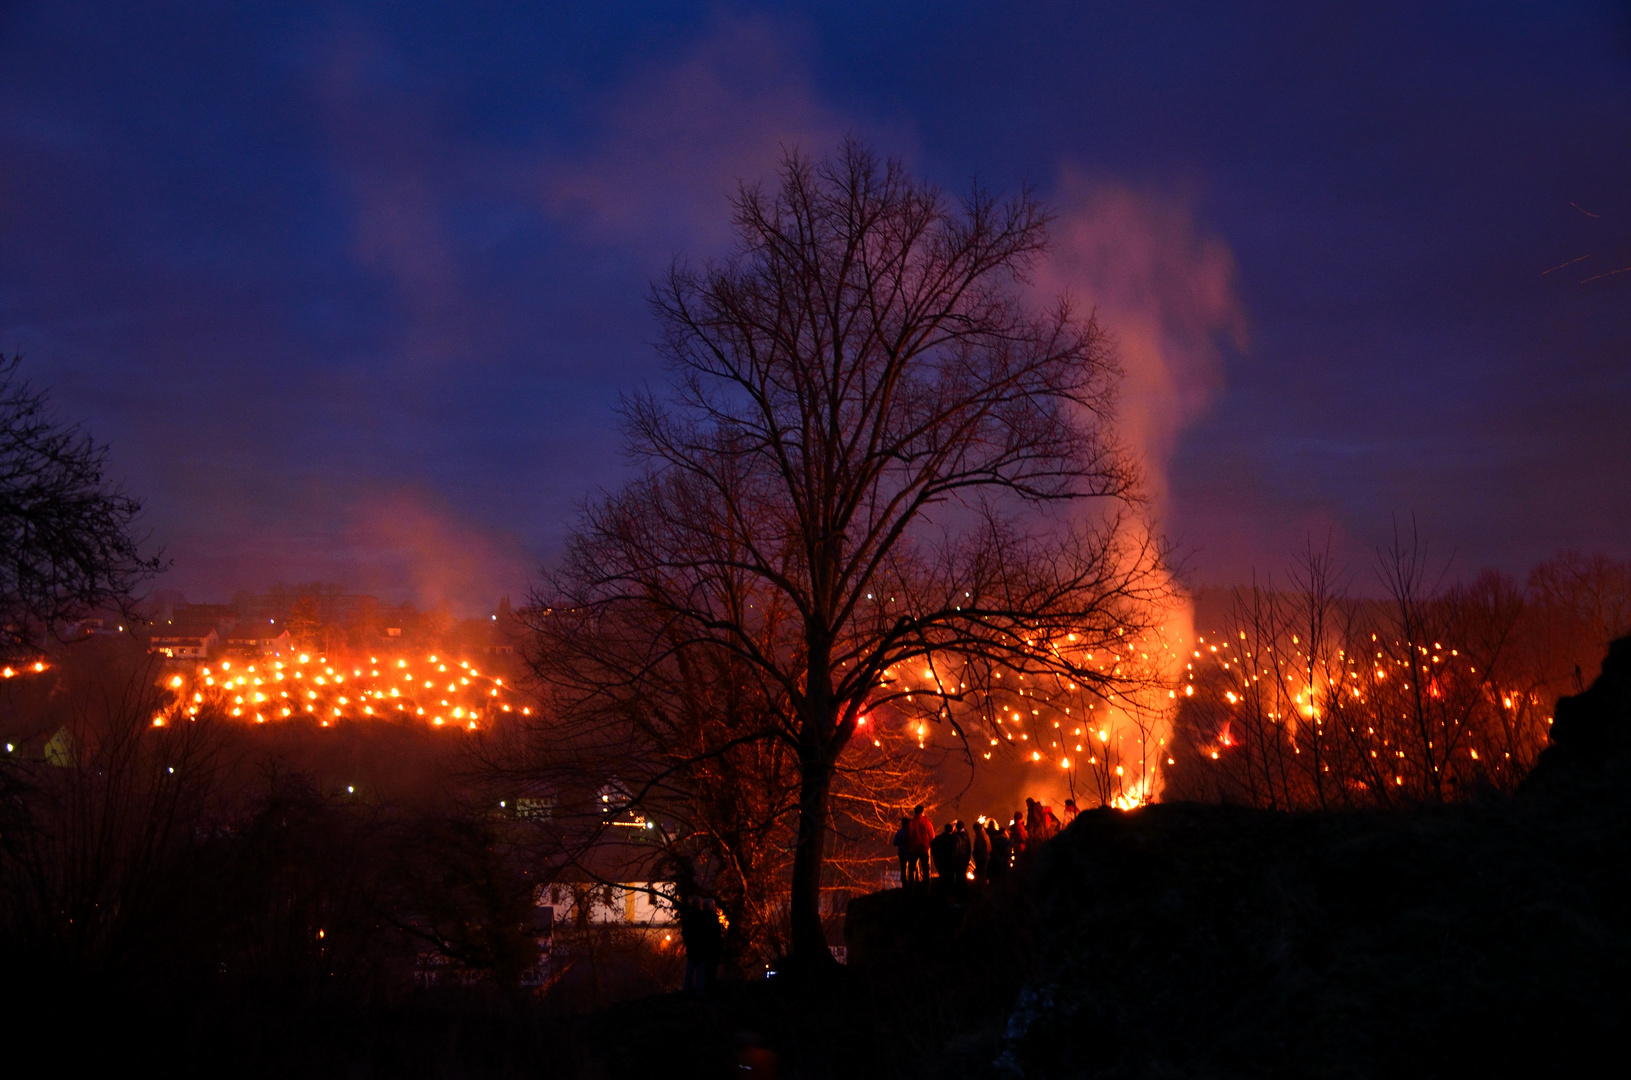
pixel 1207 941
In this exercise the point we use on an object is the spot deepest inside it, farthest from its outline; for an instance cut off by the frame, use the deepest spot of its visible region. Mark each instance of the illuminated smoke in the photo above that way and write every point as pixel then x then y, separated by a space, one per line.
pixel 440 558
pixel 396 543
pixel 1164 291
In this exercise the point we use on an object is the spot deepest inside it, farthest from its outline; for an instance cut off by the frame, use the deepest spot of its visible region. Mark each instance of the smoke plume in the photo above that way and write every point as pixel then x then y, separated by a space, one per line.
pixel 1163 288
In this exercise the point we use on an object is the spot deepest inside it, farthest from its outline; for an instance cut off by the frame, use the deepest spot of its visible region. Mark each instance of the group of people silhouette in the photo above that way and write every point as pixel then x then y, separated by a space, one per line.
pixel 962 857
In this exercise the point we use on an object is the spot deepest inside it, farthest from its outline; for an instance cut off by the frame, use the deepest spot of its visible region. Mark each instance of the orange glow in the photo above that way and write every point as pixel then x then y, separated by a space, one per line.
pixel 472 701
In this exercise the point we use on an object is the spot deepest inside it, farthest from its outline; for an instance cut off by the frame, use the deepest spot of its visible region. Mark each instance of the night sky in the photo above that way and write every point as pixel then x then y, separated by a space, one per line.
pixel 352 290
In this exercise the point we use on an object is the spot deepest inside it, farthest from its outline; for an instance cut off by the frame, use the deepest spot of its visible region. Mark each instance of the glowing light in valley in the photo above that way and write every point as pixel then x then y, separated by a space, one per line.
pixel 317 691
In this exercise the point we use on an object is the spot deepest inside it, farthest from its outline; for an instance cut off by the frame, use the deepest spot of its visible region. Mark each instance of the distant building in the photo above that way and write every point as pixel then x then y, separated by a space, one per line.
pixel 328 604
pixel 260 639
pixel 575 898
pixel 61 749
pixel 184 643
pixel 87 627
pixel 616 882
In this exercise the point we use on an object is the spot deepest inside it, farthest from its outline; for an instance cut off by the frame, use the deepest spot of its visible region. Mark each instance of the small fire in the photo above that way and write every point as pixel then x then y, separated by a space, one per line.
pixel 1132 798
pixel 455 694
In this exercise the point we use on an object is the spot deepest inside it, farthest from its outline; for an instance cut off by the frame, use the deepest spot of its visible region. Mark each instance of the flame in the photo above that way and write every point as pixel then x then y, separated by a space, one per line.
pixel 1133 797
pixel 317 690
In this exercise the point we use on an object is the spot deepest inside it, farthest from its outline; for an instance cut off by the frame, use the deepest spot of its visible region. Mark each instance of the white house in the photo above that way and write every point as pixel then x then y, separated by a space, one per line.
pixel 260 639
pixel 626 904
pixel 184 643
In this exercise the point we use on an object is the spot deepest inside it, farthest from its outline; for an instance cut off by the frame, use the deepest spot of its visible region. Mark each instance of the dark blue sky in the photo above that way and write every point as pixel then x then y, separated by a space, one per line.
pixel 352 289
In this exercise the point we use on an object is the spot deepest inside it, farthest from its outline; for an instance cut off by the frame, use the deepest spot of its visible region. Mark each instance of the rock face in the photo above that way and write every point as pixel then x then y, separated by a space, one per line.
pixel 1592 728
pixel 896 926
pixel 1488 938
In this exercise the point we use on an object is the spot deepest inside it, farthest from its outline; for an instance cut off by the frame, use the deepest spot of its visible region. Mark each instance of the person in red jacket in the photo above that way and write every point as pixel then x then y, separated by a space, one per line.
pixel 920 833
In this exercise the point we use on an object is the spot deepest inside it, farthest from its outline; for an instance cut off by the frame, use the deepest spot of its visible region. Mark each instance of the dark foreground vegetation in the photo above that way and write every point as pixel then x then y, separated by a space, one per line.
pixel 1372 881
pixel 1485 937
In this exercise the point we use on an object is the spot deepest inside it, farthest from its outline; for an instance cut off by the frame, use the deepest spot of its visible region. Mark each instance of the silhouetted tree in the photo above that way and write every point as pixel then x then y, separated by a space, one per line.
pixel 103 816
pixel 66 546
pixel 305 622
pixel 1586 603
pixel 462 896
pixel 688 760
pixel 864 411
pixel 1315 699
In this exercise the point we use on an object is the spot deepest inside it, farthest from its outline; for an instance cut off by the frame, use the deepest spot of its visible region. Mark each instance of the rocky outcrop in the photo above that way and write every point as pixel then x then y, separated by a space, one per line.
pixel 1591 729
pixel 1485 938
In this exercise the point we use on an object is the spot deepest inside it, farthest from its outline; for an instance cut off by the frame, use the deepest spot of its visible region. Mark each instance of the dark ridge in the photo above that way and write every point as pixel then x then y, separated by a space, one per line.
pixel 1480 938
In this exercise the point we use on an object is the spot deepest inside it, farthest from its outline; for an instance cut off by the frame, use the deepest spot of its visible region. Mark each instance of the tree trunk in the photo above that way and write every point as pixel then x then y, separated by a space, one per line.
pixel 809 939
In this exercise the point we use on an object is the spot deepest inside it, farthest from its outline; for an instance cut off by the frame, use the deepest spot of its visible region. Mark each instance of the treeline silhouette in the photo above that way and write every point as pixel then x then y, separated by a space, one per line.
pixel 202 897
pixel 183 895
pixel 1485 937
pixel 1309 697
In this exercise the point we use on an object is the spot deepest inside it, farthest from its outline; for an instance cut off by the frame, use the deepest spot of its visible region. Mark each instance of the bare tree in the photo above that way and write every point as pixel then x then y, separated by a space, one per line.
pixel 101 820
pixel 66 546
pixel 865 410
pixel 1312 699
pixel 672 758
pixel 1586 603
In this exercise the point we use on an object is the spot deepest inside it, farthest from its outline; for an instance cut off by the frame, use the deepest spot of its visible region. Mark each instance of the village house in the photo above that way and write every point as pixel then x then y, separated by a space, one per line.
pixel 184 642
pixel 585 902
pixel 259 639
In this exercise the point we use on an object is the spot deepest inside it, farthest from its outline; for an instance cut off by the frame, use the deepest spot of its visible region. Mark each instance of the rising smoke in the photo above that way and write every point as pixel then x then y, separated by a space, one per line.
pixel 1164 290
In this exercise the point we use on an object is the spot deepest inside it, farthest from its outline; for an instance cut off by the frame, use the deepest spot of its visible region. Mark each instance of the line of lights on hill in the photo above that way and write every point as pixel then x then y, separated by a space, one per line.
pixel 438 690
pixel 1311 688
pixel 1122 743
pixel 1081 731
pixel 1105 742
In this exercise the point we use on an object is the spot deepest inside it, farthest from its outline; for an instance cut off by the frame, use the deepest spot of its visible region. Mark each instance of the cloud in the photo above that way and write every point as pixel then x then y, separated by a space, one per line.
pixel 677 139
pixel 399 168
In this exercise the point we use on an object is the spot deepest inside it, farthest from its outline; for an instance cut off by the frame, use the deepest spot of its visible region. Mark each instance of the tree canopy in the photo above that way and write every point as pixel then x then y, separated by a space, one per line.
pixel 66 541
pixel 881 476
